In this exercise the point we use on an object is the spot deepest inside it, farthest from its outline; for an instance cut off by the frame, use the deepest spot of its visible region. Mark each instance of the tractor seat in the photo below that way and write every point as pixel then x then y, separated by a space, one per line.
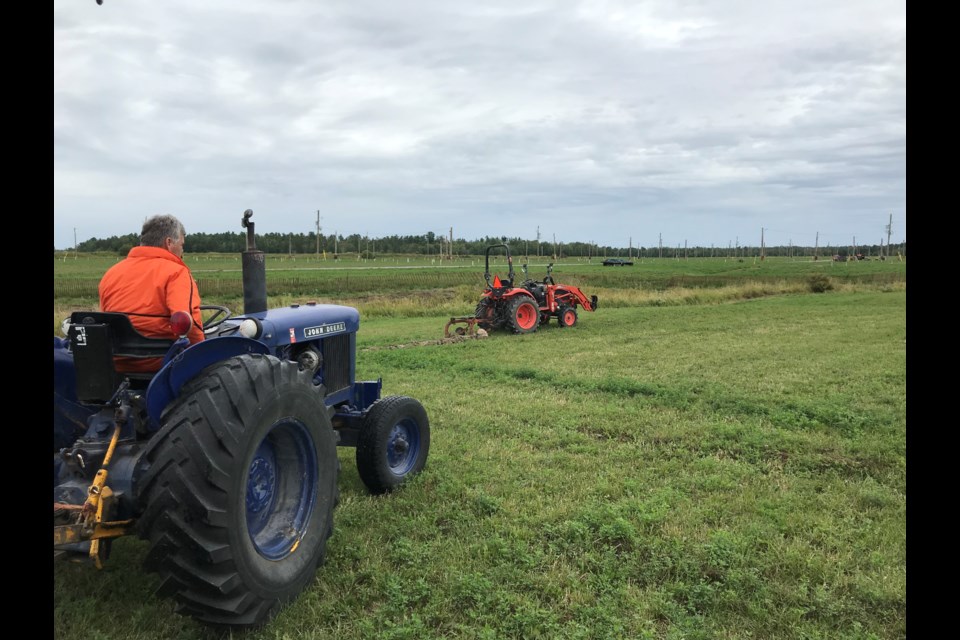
pixel 95 338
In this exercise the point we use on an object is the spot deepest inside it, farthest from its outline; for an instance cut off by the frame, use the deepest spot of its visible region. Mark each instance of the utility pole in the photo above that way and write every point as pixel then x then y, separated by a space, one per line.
pixel 684 248
pixel 336 238
pixel 538 241
pixel 761 244
pixel 660 250
pixel 889 227
pixel 816 247
pixel 74 243
pixel 318 232
pixel 630 250
pixel 450 246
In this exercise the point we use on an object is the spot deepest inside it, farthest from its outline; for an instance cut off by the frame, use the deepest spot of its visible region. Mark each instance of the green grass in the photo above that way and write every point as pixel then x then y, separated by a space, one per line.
pixel 220 275
pixel 728 467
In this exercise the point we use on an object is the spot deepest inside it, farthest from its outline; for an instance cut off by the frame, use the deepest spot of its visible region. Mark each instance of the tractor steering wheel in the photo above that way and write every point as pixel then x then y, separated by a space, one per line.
pixel 220 313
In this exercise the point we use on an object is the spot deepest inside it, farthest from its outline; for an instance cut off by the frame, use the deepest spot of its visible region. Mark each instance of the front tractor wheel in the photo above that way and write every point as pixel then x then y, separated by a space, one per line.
pixel 393 443
pixel 567 316
pixel 523 316
pixel 238 489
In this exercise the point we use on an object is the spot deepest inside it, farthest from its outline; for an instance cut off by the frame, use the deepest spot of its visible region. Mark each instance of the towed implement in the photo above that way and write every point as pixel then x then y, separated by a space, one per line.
pixel 523 307
pixel 225 459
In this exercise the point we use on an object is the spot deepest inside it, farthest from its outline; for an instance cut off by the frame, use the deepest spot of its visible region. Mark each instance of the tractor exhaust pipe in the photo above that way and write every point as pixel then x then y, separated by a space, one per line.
pixel 254 271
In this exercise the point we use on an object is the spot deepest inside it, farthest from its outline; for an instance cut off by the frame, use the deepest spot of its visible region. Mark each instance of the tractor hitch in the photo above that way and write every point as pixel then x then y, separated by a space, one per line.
pixel 470 330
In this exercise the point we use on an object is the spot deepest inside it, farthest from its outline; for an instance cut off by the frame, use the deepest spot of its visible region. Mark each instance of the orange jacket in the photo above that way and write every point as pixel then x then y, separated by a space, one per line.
pixel 149 285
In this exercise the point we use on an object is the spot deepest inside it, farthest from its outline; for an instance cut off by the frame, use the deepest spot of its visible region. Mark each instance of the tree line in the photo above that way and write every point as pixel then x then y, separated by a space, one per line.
pixel 437 245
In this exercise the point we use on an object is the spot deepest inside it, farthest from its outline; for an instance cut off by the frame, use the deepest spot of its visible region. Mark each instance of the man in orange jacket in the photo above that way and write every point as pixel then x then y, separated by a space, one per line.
pixel 150 284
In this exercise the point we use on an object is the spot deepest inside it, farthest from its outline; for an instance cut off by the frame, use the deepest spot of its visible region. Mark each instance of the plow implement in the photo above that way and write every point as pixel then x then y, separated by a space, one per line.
pixel 469 330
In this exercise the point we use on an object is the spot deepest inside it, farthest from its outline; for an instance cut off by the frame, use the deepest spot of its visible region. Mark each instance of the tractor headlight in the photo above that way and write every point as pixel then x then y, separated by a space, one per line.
pixel 65 327
pixel 251 328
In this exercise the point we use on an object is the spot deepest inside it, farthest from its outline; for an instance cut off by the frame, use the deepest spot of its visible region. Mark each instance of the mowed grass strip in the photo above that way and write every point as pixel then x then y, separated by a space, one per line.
pixel 706 471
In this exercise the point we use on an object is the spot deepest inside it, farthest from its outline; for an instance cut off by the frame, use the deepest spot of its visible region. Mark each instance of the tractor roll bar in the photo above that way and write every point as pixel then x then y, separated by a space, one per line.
pixel 486 272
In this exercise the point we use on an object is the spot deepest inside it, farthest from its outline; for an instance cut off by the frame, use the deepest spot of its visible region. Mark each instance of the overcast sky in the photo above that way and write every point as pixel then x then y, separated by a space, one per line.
pixel 694 122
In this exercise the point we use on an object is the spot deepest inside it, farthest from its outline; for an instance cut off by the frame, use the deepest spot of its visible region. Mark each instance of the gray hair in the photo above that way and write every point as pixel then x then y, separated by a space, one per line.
pixel 158 228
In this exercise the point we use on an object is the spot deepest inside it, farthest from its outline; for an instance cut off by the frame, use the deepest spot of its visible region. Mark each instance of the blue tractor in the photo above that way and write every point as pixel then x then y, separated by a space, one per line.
pixel 225 460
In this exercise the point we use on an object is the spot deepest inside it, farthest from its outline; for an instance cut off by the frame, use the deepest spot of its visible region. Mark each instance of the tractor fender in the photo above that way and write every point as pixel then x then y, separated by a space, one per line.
pixel 510 293
pixel 69 415
pixel 166 384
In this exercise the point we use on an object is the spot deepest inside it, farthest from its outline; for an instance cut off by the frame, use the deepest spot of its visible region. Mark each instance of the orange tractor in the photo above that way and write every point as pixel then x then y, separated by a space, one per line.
pixel 523 307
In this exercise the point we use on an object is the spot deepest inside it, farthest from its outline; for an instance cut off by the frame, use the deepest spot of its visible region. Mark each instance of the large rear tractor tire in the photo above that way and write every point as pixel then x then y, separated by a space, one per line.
pixel 239 487
pixel 522 314
pixel 393 443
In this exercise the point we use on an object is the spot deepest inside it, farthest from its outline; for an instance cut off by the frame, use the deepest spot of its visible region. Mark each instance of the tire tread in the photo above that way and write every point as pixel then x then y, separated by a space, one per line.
pixel 184 485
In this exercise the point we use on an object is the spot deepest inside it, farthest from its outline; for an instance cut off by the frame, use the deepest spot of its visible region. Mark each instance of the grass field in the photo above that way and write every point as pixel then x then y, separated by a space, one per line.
pixel 220 274
pixel 697 463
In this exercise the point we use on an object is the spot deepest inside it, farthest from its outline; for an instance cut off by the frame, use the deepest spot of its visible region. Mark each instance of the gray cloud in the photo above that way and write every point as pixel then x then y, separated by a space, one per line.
pixel 604 120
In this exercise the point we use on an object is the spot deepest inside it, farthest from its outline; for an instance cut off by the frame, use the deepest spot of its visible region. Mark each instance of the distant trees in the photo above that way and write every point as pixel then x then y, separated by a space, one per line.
pixel 432 244
pixel 118 244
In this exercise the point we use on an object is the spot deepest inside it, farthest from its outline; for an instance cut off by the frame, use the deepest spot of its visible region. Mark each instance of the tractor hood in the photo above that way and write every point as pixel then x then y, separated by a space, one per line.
pixel 301 322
